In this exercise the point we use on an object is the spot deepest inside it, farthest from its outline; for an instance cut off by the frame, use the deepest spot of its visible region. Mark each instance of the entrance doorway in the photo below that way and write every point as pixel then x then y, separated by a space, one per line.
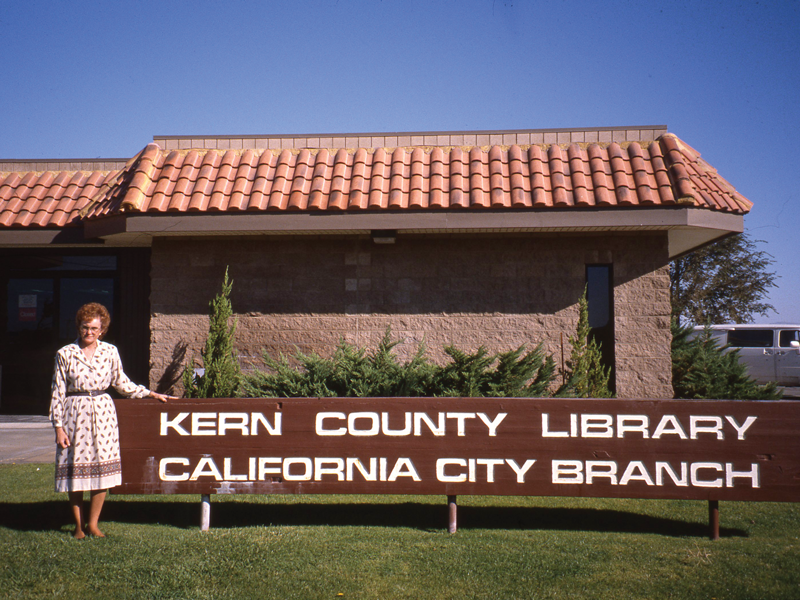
pixel 42 293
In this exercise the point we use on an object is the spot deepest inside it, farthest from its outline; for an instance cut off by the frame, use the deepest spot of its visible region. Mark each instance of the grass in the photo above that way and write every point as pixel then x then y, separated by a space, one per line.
pixel 392 547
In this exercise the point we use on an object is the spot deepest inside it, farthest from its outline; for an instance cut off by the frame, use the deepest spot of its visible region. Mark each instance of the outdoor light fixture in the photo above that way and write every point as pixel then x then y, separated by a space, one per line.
pixel 384 236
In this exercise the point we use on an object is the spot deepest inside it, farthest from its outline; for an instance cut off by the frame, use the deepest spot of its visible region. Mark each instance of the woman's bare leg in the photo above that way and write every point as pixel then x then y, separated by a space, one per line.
pixel 97 497
pixel 76 505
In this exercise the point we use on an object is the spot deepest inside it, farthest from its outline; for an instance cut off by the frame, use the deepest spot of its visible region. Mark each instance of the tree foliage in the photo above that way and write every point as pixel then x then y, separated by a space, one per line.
pixel 702 369
pixel 724 282
pixel 349 372
pixel 508 374
pixel 353 371
pixel 221 375
pixel 586 377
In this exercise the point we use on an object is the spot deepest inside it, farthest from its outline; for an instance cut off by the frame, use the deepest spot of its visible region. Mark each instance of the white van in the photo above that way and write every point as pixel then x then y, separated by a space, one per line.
pixel 770 352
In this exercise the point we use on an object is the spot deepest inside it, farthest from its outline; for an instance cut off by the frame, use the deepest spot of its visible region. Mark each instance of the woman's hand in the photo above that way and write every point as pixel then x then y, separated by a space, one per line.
pixel 162 397
pixel 61 438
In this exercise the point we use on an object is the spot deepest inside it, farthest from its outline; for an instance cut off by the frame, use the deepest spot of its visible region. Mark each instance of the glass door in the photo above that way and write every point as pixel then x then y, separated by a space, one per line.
pixel 31 342
pixel 42 295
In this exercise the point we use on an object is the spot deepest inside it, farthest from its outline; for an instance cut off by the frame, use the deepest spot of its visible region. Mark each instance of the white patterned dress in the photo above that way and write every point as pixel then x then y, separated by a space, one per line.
pixel 92 461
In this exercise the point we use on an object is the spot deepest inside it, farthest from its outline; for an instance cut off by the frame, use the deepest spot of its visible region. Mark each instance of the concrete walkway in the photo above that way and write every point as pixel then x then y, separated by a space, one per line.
pixel 791 393
pixel 26 439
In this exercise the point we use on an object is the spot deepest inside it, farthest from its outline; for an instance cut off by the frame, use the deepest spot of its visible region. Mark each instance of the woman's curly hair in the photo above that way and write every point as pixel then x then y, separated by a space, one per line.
pixel 91 311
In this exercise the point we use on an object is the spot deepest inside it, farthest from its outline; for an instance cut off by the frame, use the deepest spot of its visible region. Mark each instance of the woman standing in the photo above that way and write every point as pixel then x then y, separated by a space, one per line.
pixel 84 417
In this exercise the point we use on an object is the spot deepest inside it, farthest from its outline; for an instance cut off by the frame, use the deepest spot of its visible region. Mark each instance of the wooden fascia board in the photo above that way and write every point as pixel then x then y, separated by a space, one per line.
pixel 416 221
pixel 71 236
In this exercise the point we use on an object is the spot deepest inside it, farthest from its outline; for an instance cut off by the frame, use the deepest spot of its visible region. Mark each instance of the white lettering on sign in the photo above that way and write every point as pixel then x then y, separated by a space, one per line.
pixel 211 423
pixel 711 425
pixel 306 473
pixel 328 466
pixel 633 424
pixel 206 467
pixel 386 430
pixel 520 471
pixel 368 474
pixel 604 469
pixel 227 472
pixel 373 427
pixel 597 426
pixel 698 474
pixel 437 429
pixel 607 426
pixel 368 424
pixel 668 452
pixel 664 468
pixel 458 470
pixel 295 468
pixel 740 429
pixel 204 423
pixel 164 473
pixel 669 425
pixel 461 419
pixel 492 424
pixel 635 471
pixel 174 423
pixel 403 467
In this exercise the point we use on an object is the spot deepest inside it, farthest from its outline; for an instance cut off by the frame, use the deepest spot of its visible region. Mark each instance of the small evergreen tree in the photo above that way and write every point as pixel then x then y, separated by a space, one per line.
pixel 221 376
pixel 701 369
pixel 586 376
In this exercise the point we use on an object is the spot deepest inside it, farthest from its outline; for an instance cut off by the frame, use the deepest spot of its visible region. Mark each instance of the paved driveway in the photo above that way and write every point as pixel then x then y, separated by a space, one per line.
pixel 26 440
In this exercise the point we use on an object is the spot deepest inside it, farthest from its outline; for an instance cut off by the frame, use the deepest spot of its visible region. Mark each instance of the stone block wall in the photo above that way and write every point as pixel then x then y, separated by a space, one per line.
pixel 309 292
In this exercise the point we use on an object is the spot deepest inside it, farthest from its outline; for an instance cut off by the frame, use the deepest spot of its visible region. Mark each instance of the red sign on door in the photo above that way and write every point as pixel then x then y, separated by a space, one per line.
pixel 27 307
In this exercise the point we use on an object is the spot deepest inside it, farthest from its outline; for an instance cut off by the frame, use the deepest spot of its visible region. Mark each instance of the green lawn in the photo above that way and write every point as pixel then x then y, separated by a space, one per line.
pixel 392 547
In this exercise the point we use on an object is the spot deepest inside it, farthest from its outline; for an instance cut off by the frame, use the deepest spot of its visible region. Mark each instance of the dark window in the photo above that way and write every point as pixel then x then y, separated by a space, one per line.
pixel 30 305
pixel 786 337
pixel 28 264
pixel 598 293
pixel 750 338
pixel 600 298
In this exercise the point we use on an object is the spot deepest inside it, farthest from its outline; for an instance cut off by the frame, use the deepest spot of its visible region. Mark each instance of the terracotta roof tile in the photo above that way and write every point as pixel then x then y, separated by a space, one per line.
pixel 49 199
pixel 577 174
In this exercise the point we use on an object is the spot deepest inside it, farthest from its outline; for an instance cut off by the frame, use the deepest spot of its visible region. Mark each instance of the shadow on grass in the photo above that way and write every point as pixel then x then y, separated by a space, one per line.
pixel 43 516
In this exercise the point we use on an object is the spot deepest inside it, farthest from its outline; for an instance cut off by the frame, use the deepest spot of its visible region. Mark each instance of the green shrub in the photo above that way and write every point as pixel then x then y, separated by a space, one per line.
pixel 353 371
pixel 221 376
pixel 702 369
pixel 349 372
pixel 475 375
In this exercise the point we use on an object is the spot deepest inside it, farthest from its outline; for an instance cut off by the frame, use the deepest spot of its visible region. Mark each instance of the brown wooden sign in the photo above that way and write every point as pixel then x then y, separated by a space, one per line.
pixel 720 450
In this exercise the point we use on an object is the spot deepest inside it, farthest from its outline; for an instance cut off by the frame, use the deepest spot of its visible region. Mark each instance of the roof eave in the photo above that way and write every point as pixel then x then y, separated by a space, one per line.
pixel 47 237
pixel 687 228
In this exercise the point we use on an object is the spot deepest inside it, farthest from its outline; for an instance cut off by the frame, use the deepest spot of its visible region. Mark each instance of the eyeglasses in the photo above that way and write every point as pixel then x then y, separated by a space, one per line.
pixel 88 329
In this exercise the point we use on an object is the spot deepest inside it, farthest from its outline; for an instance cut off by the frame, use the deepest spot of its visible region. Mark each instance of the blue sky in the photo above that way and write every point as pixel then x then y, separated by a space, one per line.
pixel 84 79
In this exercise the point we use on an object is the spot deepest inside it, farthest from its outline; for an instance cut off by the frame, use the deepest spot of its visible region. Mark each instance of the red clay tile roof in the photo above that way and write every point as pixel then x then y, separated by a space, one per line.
pixel 666 172
pixel 48 198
